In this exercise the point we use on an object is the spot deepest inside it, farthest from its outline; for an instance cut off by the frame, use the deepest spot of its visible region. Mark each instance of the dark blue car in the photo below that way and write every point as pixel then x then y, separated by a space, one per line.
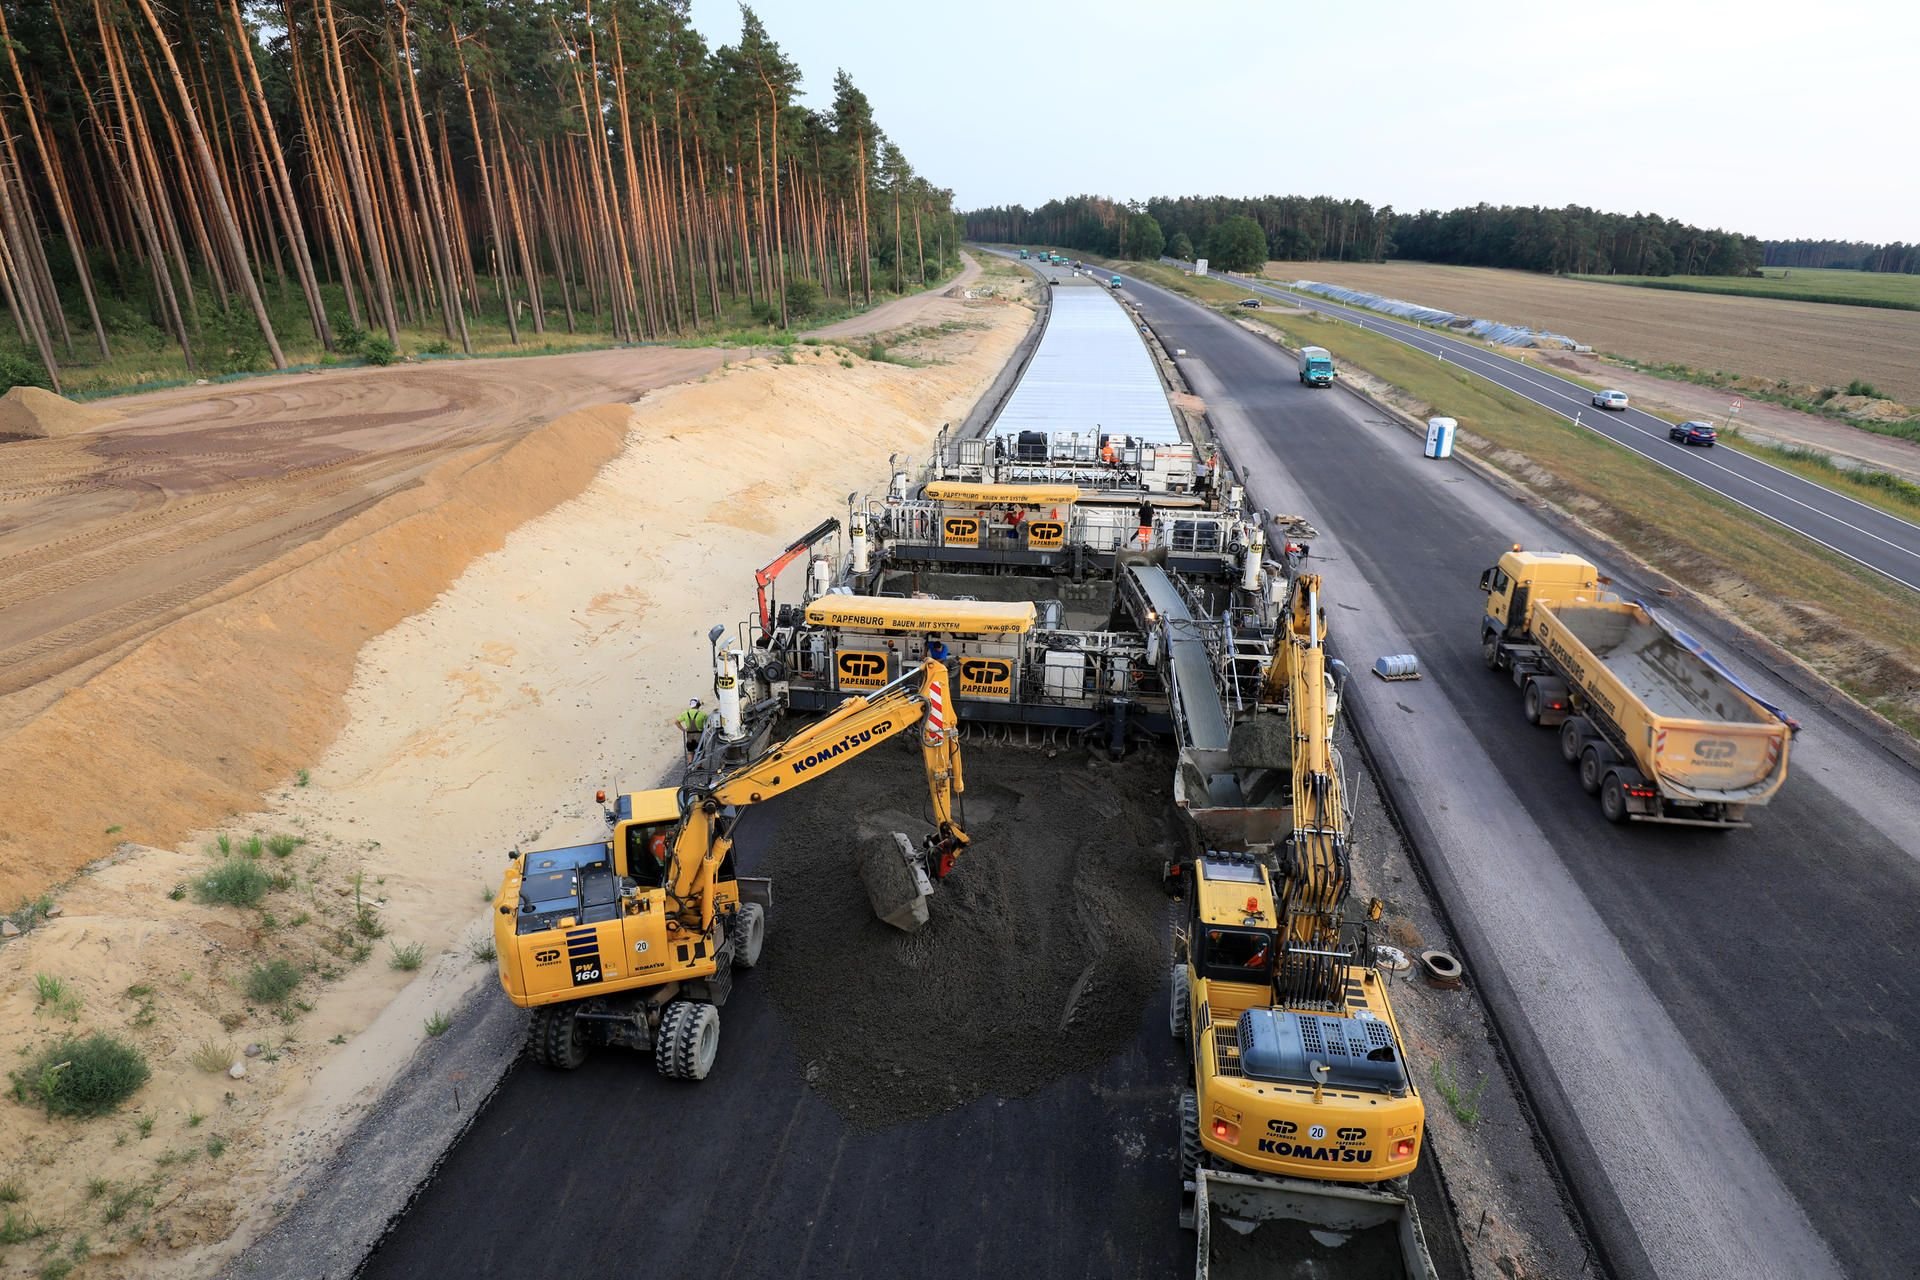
pixel 1701 433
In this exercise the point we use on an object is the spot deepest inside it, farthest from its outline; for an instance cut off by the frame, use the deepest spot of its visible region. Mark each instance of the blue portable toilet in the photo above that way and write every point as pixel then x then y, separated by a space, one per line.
pixel 1440 432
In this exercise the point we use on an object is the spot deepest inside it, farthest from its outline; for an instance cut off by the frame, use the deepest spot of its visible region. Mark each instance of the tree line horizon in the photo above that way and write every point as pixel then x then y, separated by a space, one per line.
pixel 1240 233
pixel 214 182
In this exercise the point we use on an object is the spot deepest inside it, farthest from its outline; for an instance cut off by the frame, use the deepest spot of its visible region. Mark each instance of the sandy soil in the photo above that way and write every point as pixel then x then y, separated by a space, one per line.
pixel 108 534
pixel 1801 342
pixel 548 667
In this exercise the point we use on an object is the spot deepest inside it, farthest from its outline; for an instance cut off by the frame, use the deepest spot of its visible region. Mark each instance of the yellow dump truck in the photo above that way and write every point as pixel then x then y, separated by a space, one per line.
pixel 1661 730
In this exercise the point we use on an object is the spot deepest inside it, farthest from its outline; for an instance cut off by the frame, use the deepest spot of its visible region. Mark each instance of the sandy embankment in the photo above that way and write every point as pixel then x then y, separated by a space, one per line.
pixel 551 666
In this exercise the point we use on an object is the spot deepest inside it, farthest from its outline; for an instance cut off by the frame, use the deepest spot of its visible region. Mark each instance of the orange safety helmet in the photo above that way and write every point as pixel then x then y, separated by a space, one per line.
pixel 658 847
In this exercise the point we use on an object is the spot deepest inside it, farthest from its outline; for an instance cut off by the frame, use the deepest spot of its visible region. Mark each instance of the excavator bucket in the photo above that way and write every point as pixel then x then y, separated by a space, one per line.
pixel 898 885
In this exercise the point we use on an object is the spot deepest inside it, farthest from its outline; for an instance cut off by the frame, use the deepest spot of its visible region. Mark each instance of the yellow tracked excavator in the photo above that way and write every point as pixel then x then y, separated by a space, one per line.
pixel 632 941
pixel 1298 1074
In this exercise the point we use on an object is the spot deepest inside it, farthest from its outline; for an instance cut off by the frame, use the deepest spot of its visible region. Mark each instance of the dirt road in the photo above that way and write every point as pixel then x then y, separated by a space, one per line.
pixel 106 535
pixel 901 311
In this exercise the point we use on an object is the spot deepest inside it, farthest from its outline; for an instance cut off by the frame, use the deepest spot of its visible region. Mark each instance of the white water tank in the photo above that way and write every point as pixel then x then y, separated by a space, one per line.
pixel 1440 433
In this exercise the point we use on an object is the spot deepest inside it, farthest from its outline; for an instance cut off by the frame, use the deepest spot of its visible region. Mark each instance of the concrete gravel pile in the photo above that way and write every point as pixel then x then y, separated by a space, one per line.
pixel 1045 944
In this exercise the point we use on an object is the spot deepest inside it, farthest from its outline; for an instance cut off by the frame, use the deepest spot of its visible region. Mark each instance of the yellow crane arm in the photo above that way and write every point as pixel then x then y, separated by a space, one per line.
pixel 918 698
pixel 1318 877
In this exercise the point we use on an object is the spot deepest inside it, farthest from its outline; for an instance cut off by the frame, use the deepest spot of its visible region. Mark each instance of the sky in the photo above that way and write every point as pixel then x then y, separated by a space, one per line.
pixel 1780 121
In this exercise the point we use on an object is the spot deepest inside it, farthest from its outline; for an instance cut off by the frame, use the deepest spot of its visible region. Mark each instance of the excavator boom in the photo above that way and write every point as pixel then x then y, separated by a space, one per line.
pixel 916 699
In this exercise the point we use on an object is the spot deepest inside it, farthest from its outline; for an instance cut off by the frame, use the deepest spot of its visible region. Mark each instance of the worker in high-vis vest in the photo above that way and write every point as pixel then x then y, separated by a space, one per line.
pixel 692 723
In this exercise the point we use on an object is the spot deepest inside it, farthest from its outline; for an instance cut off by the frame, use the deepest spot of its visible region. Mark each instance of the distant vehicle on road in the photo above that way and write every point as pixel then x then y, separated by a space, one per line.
pixel 1250 302
pixel 1115 282
pixel 1023 253
pixel 1609 399
pixel 1700 433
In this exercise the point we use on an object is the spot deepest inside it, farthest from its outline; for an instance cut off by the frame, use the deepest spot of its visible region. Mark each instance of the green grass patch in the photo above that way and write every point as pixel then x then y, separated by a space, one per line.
pixel 406 959
pixel 234 882
pixel 1794 284
pixel 1855 627
pixel 1464 1103
pixel 82 1077
pixel 438 1024
pixel 272 982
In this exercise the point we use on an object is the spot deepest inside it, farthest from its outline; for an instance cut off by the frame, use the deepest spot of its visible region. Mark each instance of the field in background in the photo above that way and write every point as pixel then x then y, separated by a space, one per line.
pixel 1806 345
pixel 1804 284
pixel 1855 627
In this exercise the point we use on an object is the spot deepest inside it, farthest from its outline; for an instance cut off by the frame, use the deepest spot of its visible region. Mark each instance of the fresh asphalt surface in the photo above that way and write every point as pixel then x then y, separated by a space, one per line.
pixel 1718 1028
pixel 1867 534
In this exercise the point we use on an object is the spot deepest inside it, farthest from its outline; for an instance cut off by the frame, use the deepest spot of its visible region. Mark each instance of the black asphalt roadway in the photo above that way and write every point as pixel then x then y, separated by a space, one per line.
pixel 1867 534
pixel 1719 1028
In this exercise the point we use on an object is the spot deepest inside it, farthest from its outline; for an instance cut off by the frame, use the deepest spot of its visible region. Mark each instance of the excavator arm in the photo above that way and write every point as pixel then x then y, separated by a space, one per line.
pixel 1317 874
pixel 917 699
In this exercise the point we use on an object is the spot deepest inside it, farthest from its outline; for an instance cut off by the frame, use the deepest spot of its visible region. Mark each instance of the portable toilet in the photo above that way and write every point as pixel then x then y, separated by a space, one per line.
pixel 1440 432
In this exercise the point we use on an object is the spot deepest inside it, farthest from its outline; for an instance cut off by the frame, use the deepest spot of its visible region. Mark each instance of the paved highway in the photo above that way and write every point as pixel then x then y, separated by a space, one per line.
pixel 1719 1029
pixel 1882 542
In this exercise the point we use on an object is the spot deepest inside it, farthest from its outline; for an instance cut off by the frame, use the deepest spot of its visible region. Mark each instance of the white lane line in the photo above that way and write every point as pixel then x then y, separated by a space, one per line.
pixel 1364 323
pixel 1458 348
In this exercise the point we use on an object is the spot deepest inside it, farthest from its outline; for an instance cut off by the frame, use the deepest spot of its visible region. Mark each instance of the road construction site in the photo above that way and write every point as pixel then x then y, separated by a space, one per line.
pixel 996 1091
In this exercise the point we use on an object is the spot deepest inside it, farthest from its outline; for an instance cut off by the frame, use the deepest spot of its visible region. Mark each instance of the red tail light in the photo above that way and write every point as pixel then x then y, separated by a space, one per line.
pixel 1403 1149
pixel 1226 1131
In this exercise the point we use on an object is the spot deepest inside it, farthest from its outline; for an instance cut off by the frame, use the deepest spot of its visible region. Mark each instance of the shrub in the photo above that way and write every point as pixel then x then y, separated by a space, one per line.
pixel 282 845
pixel 437 1025
pixel 408 958
pixel 272 982
pixel 211 1056
pixel 235 882
pixel 349 340
pixel 18 369
pixel 765 313
pixel 379 352
pixel 1860 387
pixel 803 298
pixel 438 347
pixel 82 1077
pixel 231 341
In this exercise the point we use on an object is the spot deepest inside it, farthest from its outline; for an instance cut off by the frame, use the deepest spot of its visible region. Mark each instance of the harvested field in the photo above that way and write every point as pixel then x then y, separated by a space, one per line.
pixel 1045 943
pixel 1800 342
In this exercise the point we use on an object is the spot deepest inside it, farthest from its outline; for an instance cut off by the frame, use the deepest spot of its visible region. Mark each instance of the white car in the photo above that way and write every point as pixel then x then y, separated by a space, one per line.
pixel 1609 399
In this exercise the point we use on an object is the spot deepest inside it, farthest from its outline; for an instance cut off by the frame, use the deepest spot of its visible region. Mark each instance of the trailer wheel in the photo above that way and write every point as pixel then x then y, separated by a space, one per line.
pixel 1189 1137
pixel 748 929
pixel 1573 739
pixel 1613 799
pixel 554 1037
pixel 1490 651
pixel 689 1040
pixel 1180 1004
pixel 1593 768
pixel 1531 703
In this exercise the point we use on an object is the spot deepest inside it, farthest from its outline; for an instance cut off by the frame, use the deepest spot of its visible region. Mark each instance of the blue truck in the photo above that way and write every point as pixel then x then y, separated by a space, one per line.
pixel 1316 367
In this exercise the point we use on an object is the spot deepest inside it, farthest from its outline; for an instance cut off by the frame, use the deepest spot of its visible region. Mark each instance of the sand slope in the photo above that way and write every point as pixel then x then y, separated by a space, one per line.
pixel 546 661
pixel 41 415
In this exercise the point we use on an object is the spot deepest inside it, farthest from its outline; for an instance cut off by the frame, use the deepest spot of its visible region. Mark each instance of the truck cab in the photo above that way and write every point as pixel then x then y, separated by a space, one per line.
pixel 1024 255
pixel 1316 367
pixel 1525 578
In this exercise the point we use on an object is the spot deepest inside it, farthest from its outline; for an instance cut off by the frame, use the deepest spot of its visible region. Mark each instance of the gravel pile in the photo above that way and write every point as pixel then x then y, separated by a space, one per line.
pixel 1045 943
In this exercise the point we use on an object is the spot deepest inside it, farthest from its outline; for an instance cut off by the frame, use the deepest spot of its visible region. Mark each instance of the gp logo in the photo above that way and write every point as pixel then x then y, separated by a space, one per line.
pixel 547 955
pixel 1715 749
pixel 986 678
pixel 960 531
pixel 1045 535
pixel 860 668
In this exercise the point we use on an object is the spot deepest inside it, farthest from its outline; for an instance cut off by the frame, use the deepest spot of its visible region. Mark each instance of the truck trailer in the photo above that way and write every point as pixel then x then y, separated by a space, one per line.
pixel 1660 729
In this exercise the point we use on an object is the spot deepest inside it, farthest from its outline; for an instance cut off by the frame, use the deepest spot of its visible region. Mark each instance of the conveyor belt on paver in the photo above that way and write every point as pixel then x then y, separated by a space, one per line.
pixel 1187 659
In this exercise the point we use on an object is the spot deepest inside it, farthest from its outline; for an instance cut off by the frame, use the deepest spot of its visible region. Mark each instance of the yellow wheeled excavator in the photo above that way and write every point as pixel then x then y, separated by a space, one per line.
pixel 1298 1072
pixel 632 941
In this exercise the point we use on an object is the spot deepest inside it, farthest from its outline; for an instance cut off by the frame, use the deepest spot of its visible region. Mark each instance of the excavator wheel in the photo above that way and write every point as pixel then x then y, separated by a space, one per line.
pixel 1189 1137
pixel 554 1037
pixel 748 929
pixel 689 1040
pixel 1180 1011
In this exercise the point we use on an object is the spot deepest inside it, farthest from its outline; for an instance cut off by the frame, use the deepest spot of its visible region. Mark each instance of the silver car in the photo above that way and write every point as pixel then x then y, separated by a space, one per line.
pixel 1609 399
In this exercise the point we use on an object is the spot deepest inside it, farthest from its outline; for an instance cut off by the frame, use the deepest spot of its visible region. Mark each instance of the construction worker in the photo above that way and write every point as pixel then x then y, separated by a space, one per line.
pixel 936 651
pixel 692 723
pixel 1146 523
pixel 1107 455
